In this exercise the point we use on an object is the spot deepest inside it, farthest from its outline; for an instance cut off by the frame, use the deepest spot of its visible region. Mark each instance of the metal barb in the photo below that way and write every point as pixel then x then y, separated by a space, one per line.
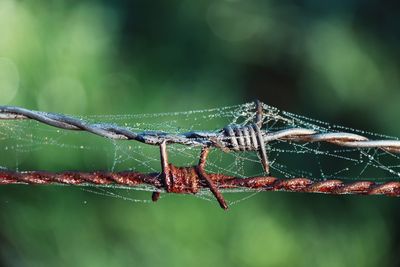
pixel 257 128
pixel 210 183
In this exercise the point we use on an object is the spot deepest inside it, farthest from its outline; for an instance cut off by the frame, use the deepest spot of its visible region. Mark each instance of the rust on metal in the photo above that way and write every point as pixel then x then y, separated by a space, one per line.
pixel 188 180
pixel 209 181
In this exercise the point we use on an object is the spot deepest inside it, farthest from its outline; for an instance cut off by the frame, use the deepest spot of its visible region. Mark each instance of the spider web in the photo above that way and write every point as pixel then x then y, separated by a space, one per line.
pixel 29 145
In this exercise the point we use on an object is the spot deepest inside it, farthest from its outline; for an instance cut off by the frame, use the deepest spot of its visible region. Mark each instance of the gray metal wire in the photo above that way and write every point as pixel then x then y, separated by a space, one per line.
pixel 236 137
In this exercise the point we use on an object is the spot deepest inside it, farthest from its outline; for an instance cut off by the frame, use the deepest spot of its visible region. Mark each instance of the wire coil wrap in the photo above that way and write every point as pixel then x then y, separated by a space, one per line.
pixel 243 138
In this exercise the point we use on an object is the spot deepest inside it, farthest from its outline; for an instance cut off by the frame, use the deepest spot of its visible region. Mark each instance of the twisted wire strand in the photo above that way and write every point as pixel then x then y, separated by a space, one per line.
pixel 180 178
pixel 233 137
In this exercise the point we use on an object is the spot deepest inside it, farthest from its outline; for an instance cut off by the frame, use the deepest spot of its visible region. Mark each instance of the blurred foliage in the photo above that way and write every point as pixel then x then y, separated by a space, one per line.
pixel 335 61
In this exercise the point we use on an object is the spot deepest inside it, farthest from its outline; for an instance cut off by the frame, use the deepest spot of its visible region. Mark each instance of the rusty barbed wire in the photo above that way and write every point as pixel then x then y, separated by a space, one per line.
pixel 188 180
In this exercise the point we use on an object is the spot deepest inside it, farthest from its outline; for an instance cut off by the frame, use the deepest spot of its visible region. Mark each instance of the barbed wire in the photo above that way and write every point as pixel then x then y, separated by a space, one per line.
pixel 233 137
pixel 172 179
pixel 187 180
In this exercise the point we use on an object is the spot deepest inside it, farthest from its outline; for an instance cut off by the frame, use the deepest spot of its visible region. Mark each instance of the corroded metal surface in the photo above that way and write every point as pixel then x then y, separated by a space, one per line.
pixel 188 180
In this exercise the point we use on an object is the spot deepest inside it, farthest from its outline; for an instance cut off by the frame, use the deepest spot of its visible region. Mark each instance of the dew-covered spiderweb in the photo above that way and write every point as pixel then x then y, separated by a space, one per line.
pixel 30 145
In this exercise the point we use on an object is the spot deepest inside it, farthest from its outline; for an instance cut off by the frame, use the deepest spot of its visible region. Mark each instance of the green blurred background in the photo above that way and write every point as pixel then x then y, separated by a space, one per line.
pixel 335 61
